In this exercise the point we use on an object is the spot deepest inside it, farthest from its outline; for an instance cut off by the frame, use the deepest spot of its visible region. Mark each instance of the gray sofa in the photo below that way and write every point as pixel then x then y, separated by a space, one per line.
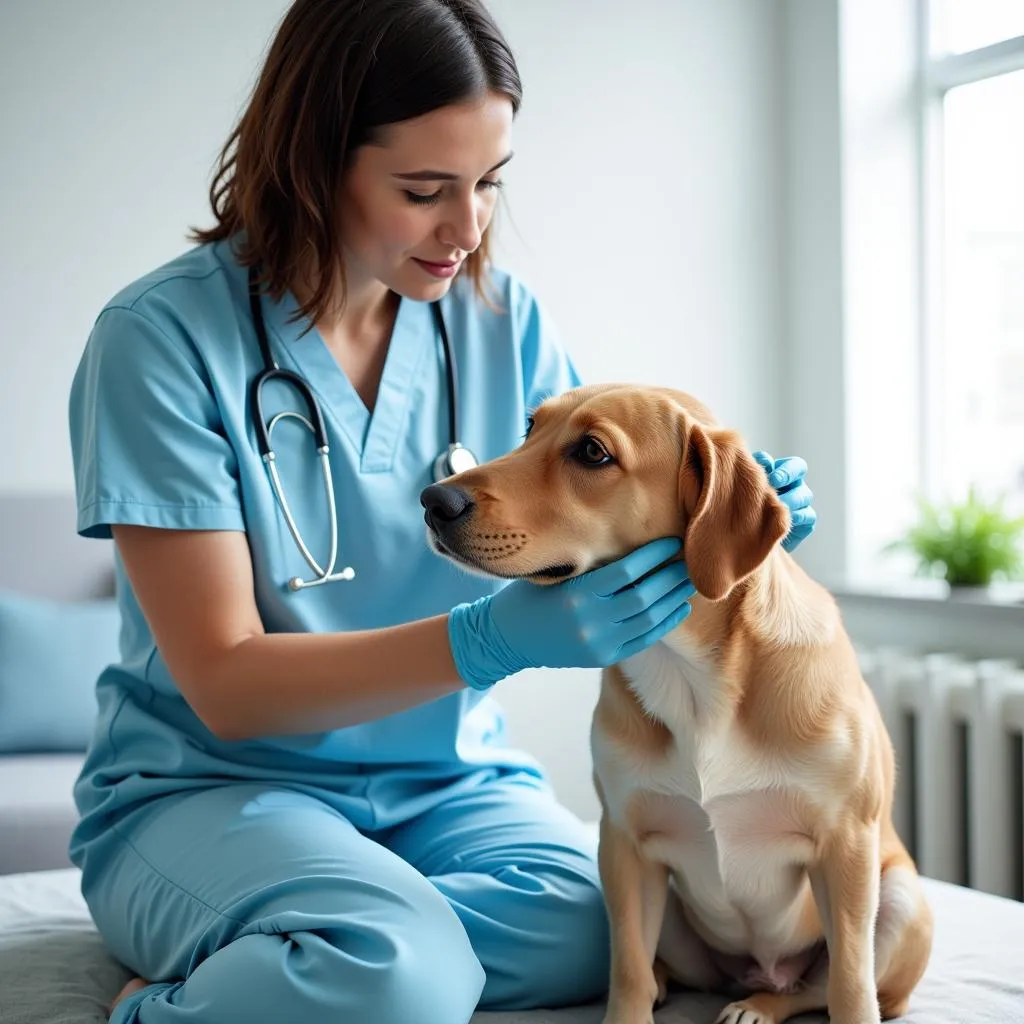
pixel 37 812
pixel 43 557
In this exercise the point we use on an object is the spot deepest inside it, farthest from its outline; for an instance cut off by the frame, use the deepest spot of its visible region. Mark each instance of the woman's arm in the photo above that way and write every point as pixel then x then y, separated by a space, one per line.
pixel 196 590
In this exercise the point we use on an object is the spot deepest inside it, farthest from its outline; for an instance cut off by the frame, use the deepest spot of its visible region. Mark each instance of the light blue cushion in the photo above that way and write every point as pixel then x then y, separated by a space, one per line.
pixel 50 656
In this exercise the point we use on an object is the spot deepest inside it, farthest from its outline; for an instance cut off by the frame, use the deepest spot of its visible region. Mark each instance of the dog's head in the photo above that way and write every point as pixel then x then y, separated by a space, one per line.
pixel 603 470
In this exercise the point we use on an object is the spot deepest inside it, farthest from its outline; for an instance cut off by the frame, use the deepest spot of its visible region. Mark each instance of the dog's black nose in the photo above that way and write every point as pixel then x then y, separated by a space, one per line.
pixel 445 503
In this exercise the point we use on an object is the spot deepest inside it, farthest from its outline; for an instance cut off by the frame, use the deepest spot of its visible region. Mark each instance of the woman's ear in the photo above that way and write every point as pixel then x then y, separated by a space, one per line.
pixel 731 516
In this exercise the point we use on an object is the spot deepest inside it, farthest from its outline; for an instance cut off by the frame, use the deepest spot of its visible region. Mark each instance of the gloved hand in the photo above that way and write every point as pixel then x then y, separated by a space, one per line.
pixel 786 475
pixel 590 621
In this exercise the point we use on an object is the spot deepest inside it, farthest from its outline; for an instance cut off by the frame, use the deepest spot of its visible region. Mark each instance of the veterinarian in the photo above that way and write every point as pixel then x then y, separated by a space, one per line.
pixel 299 804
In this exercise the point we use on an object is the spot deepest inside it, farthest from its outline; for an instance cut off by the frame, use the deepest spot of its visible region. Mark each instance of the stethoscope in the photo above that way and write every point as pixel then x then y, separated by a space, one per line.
pixel 456 458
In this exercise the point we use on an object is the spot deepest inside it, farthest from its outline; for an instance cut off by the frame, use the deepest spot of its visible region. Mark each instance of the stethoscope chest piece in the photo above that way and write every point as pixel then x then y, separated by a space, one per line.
pixel 454 459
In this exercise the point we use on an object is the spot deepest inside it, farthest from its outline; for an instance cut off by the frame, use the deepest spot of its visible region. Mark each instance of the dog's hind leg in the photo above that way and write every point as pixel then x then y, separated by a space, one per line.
pixel 903 939
pixel 683 953
pixel 903 930
pixel 902 945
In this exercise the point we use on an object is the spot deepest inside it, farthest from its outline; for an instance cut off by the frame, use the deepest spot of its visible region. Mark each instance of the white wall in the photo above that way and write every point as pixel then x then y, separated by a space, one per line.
pixel 645 206
pixel 643 203
pixel 815 419
pixel 113 114
pixel 646 191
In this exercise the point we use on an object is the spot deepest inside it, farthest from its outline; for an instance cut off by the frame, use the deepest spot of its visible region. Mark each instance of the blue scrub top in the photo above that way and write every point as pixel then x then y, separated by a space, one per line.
pixel 162 436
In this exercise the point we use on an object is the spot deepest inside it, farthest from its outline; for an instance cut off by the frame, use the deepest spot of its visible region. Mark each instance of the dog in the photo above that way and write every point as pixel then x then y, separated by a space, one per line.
pixel 743 770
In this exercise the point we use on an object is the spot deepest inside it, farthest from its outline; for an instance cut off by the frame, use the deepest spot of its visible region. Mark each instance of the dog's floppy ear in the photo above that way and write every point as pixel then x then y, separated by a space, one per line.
pixel 733 518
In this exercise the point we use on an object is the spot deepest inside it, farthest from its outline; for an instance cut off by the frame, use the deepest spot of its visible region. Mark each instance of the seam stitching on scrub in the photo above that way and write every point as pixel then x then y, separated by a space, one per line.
pixel 190 352
pixel 192 896
pixel 156 284
pixel 113 721
pixel 157 504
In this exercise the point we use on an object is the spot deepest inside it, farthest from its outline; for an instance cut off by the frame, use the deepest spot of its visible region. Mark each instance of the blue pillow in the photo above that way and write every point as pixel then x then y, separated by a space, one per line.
pixel 51 654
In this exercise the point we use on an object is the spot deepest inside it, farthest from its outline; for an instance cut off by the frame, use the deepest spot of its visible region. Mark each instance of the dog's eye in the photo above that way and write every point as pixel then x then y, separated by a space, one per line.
pixel 529 427
pixel 590 452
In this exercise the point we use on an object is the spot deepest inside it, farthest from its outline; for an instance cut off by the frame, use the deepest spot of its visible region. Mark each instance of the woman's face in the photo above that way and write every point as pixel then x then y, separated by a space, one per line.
pixel 417 201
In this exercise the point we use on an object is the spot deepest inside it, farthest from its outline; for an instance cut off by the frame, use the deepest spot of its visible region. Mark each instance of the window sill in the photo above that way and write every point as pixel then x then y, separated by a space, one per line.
pixel 930 593
pixel 921 615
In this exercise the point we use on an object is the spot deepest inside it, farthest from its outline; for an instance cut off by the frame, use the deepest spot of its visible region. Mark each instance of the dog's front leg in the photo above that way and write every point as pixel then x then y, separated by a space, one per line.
pixel 635 890
pixel 846 882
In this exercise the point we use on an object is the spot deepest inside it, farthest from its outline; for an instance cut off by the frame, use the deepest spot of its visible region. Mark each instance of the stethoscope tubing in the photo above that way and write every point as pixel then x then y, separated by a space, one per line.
pixel 315 423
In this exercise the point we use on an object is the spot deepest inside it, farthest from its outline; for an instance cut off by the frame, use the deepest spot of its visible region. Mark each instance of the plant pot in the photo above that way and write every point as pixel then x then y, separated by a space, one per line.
pixel 972 594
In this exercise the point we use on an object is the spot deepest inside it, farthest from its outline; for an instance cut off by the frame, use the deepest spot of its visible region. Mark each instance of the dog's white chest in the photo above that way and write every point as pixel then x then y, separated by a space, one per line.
pixel 724 816
pixel 711 759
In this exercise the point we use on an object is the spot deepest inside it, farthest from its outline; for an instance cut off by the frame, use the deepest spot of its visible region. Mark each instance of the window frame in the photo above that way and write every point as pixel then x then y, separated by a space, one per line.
pixel 938 73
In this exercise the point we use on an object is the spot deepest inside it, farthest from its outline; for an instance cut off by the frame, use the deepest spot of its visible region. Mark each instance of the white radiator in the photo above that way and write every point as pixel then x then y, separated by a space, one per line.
pixel 956 726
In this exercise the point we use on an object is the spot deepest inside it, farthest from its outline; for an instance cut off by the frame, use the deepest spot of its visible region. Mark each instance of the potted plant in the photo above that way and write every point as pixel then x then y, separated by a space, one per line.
pixel 969 543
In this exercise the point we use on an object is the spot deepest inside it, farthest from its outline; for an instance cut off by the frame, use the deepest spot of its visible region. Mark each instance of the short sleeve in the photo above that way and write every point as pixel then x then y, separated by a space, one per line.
pixel 147 441
pixel 548 369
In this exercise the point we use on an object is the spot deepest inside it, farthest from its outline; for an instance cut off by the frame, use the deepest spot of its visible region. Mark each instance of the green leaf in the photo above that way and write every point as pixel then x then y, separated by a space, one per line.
pixel 967 543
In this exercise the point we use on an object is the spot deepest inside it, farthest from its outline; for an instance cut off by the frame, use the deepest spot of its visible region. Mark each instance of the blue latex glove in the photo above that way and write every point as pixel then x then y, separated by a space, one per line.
pixel 786 475
pixel 590 621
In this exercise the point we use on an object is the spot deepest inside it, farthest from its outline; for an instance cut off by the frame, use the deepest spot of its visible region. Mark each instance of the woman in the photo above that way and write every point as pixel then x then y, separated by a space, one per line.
pixel 298 803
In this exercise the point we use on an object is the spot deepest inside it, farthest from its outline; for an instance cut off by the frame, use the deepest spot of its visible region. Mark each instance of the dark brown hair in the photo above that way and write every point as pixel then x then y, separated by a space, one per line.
pixel 336 72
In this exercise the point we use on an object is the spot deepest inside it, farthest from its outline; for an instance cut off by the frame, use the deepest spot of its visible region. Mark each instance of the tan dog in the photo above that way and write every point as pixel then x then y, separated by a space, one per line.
pixel 743 769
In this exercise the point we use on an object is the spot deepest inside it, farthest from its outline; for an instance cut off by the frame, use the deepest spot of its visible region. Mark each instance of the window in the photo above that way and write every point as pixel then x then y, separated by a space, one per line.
pixel 959 26
pixel 973 129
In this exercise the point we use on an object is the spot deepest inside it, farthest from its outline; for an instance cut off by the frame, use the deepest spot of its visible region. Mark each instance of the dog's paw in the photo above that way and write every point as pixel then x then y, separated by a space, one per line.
pixel 744 1012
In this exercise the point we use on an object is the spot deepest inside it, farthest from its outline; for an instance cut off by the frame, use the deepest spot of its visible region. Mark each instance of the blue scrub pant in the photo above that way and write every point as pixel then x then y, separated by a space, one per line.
pixel 254 903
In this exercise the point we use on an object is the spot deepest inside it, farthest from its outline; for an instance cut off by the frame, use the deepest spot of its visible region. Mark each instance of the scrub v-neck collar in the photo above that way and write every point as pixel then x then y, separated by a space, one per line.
pixel 374 436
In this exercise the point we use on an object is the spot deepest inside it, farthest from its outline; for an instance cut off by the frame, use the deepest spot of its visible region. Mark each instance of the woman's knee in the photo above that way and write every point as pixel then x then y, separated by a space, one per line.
pixel 388 972
pixel 428 978
pixel 392 959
